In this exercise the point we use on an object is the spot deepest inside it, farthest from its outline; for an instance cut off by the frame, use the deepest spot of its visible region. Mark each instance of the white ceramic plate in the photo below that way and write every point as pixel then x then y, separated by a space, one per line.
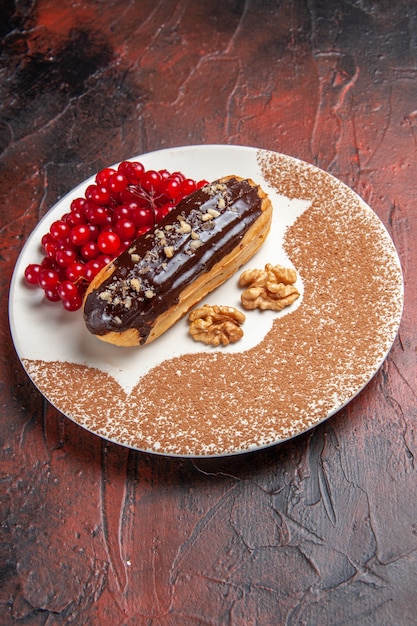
pixel 290 371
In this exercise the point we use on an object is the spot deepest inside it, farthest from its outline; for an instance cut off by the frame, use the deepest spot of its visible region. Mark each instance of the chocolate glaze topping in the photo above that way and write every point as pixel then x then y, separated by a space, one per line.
pixel 150 275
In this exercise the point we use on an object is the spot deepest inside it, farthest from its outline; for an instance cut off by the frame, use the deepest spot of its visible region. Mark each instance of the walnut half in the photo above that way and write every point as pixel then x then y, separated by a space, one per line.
pixel 271 288
pixel 215 325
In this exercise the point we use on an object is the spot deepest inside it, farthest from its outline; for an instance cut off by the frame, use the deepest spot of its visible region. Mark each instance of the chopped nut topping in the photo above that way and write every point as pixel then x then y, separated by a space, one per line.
pixel 195 243
pixel 184 228
pixel 169 251
pixel 215 325
pixel 221 203
pixel 117 320
pixel 214 212
pixel 106 296
pixel 135 258
pixel 213 188
pixel 128 302
pixel 194 235
pixel 149 294
pixel 272 288
pixel 135 284
pixel 160 234
pixel 206 217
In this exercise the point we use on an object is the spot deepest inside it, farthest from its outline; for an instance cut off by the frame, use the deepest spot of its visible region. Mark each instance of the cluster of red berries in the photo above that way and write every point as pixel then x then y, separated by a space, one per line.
pixel 121 205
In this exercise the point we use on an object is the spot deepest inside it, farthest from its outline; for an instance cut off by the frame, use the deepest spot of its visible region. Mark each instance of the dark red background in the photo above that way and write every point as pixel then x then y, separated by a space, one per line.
pixel 321 530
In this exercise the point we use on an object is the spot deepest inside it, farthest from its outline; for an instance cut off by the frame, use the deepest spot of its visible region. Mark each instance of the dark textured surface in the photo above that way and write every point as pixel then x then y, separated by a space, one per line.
pixel 321 530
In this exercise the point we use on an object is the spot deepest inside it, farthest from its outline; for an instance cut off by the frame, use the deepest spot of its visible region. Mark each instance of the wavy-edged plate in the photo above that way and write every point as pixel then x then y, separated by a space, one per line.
pixel 289 372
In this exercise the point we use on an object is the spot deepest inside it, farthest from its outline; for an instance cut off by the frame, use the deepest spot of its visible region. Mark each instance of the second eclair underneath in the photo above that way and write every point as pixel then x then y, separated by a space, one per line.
pixel 207 237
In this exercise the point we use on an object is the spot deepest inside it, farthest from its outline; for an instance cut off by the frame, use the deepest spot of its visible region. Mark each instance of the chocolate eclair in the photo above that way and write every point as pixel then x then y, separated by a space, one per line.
pixel 207 237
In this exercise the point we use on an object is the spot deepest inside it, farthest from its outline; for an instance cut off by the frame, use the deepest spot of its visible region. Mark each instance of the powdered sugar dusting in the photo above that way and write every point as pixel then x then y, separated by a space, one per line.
pixel 311 363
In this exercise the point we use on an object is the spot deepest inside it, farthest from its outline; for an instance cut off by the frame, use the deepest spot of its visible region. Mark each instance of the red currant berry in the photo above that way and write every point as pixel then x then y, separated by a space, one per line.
pixel 59 229
pixel 97 215
pixel 47 238
pixel 117 182
pixel 121 212
pixel 164 174
pixel 108 242
pixel 50 249
pixel 179 176
pixel 76 217
pixel 32 273
pixel 48 279
pixel 126 168
pixel 48 263
pixel 188 186
pixel 125 229
pixel 72 304
pixel 142 217
pixel 65 257
pixel 89 250
pixel 77 204
pixel 75 271
pixel 79 234
pixel 172 188
pixel 137 170
pixel 151 181
pixel 161 212
pixel 91 269
pixel 104 259
pixel 65 217
pixel 52 295
pixel 102 178
pixel 94 231
pixel 98 195
pixel 67 290
pixel 101 196
pixel 132 195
